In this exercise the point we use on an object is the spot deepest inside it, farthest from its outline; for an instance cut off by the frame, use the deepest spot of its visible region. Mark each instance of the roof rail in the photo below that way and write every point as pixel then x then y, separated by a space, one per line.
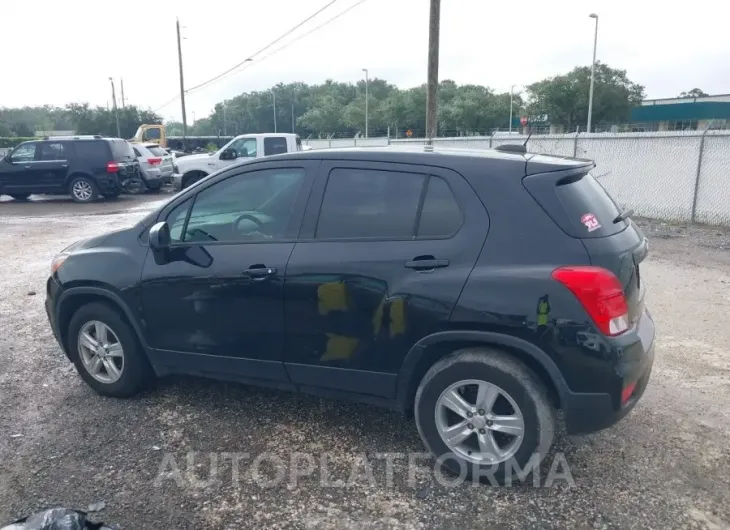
pixel 511 148
pixel 74 137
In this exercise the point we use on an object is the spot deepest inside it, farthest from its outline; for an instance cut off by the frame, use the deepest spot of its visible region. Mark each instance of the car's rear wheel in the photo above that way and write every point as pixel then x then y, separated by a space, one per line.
pixel 83 189
pixel 484 414
pixel 106 352
pixel 20 196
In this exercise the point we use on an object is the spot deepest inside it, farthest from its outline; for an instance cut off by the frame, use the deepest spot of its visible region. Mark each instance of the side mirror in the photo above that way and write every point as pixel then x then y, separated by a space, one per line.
pixel 229 154
pixel 160 236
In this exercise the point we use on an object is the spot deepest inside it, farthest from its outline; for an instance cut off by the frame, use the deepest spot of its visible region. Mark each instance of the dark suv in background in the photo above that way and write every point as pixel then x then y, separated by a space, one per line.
pixel 480 290
pixel 84 167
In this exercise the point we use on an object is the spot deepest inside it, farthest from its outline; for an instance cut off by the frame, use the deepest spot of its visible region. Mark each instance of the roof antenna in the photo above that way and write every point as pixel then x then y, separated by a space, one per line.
pixel 528 139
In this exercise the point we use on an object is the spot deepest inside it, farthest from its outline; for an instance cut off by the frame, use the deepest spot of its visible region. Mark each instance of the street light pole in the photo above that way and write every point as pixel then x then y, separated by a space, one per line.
pixel 511 97
pixel 593 74
pixel 116 111
pixel 367 80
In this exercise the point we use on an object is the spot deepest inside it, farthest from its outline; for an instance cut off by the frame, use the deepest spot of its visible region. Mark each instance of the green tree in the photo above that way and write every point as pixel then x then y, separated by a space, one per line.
pixel 694 93
pixel 564 98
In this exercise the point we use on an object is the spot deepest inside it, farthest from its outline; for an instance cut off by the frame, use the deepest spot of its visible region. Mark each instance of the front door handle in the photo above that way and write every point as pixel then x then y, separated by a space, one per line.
pixel 28 166
pixel 426 263
pixel 259 272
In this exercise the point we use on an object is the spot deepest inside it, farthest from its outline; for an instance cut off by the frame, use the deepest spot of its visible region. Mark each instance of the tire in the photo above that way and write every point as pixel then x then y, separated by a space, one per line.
pixel 136 186
pixel 135 371
pixel 20 196
pixel 191 178
pixel 515 382
pixel 83 190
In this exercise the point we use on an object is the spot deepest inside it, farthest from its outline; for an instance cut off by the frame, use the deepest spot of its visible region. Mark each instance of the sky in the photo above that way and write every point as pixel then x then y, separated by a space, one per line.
pixel 62 51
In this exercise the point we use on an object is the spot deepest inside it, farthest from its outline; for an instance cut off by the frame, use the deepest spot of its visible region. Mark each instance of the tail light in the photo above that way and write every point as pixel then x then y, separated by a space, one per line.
pixel 601 295
pixel 154 161
pixel 112 167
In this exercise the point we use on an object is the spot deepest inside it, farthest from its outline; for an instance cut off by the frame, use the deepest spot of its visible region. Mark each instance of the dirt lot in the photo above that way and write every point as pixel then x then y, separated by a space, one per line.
pixel 664 466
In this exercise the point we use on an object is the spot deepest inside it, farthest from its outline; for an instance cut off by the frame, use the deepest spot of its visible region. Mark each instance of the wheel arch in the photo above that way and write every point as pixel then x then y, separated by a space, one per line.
pixel 74 298
pixel 76 174
pixel 192 173
pixel 430 349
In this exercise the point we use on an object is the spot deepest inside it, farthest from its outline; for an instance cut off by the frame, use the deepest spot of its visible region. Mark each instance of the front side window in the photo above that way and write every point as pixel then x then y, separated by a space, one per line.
pixel 24 153
pixel 244 147
pixel 274 146
pixel 52 151
pixel 366 203
pixel 176 220
pixel 249 207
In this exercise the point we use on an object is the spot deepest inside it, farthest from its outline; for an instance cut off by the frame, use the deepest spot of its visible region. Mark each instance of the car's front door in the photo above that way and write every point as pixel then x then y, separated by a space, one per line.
pixel 217 306
pixel 52 166
pixel 383 255
pixel 19 173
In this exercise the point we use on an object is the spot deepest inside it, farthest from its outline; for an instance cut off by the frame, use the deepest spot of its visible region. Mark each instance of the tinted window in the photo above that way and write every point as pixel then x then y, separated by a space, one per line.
pixel 254 206
pixel 137 153
pixel 91 149
pixel 589 208
pixel 274 146
pixel 52 151
pixel 121 150
pixel 440 215
pixel 151 134
pixel 244 147
pixel 370 203
pixel 24 153
pixel 176 219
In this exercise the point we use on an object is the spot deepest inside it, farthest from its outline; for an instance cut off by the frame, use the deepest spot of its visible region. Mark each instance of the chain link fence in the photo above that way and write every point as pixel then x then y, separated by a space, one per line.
pixel 679 176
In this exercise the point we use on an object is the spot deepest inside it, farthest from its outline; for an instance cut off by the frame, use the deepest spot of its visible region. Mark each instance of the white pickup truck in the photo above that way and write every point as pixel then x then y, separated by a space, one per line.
pixel 192 168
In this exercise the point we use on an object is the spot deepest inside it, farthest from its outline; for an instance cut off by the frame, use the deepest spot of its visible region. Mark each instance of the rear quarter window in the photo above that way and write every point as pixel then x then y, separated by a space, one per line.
pixel 275 146
pixel 155 150
pixel 92 150
pixel 580 206
pixel 121 150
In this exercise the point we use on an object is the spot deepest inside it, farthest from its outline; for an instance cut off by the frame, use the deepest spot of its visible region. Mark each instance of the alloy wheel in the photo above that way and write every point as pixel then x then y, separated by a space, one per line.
pixel 100 352
pixel 479 422
pixel 82 190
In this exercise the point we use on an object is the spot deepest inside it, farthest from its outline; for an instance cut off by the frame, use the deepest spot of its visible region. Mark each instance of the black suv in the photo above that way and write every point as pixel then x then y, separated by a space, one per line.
pixel 81 166
pixel 480 290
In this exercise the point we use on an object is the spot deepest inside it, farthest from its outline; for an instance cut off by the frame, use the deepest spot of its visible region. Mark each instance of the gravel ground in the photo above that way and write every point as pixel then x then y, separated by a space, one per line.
pixel 664 466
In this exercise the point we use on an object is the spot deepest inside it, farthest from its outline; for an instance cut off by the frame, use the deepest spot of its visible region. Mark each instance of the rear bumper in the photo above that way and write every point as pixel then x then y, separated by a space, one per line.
pixel 586 413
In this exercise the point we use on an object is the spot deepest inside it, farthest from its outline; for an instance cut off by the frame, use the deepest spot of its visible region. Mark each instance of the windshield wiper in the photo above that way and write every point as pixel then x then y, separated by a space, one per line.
pixel 623 216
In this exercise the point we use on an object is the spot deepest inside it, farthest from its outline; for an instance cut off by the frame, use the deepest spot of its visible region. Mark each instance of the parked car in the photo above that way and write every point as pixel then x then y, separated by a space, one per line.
pixel 167 165
pixel 149 165
pixel 438 283
pixel 84 167
pixel 192 168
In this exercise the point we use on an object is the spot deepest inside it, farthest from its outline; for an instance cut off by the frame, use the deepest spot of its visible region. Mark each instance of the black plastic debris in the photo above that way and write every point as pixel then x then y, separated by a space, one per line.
pixel 56 519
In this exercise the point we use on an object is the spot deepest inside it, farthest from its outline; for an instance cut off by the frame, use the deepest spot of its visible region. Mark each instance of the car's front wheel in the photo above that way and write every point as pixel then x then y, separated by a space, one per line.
pixel 484 414
pixel 106 352
pixel 83 189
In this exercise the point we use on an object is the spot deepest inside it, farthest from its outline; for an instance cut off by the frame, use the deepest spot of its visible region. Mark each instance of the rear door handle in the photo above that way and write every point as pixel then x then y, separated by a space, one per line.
pixel 426 264
pixel 259 273
pixel 28 166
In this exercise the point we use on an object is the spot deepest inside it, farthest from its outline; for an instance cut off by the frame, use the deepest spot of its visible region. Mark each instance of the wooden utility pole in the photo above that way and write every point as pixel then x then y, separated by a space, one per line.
pixel 121 81
pixel 182 84
pixel 116 111
pixel 433 71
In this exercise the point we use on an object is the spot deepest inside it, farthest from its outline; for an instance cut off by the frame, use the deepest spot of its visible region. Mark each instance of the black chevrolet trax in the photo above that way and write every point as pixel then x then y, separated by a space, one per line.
pixel 479 291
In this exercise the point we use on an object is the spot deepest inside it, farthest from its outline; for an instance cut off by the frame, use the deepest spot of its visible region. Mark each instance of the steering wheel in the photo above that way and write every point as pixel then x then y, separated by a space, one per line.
pixel 246 217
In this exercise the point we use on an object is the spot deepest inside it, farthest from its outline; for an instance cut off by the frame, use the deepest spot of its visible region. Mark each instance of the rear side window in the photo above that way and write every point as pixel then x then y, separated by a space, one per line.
pixel 121 150
pixel 92 150
pixel 52 151
pixel 366 203
pixel 441 215
pixel 580 206
pixel 274 146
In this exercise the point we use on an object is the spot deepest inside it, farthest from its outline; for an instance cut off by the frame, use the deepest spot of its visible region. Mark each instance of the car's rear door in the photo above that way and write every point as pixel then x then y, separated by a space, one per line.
pixel 383 255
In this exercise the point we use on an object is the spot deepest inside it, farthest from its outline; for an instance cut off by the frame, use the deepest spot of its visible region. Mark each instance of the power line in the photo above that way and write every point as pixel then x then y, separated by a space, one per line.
pixel 167 103
pixel 262 49
pixel 258 61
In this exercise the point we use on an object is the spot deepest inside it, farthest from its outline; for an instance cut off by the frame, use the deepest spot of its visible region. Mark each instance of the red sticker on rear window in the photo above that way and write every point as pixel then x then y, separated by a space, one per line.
pixel 590 221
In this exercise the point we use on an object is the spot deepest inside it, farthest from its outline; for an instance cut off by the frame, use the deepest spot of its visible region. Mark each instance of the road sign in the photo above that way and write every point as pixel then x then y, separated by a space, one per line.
pixel 523 120
pixel 409 133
